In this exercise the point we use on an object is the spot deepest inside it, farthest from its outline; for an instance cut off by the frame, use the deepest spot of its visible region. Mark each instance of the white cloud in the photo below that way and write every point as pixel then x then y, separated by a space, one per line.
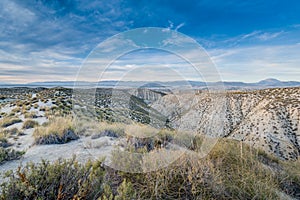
pixel 35 46
pixel 259 62
pixel 179 26
pixel 172 27
pixel 13 17
pixel 269 36
pixel 252 38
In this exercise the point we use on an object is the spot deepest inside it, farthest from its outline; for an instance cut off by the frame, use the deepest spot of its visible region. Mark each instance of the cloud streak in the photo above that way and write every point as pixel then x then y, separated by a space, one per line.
pixel 256 63
pixel 49 40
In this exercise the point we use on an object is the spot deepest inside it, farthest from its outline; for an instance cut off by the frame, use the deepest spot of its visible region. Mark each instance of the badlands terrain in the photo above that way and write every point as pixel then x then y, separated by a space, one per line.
pixel 267 119
pixel 43 123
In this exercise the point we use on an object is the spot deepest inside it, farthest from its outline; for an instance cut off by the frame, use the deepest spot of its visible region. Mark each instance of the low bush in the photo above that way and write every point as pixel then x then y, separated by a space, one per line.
pixel 3 141
pixel 63 179
pixel 9 154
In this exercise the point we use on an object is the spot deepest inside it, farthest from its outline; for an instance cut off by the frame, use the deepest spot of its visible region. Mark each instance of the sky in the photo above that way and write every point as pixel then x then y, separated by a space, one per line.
pixel 49 40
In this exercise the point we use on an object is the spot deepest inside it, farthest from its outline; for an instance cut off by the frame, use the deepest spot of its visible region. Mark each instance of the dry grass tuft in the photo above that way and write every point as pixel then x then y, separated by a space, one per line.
pixel 59 130
pixel 30 114
pixel 109 129
pixel 30 124
pixel 141 131
pixel 8 121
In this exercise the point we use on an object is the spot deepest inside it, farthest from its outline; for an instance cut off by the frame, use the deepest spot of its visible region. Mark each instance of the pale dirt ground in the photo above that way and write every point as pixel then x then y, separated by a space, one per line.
pixel 84 148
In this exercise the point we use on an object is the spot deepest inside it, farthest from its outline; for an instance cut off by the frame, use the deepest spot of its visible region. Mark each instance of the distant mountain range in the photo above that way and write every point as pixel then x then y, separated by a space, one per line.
pixel 267 83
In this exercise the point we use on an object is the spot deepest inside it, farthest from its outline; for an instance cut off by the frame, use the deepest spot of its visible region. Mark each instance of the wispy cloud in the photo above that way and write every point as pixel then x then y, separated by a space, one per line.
pixel 14 18
pixel 255 37
pixel 171 26
pixel 50 39
pixel 259 62
pixel 269 36
pixel 179 26
pixel 44 40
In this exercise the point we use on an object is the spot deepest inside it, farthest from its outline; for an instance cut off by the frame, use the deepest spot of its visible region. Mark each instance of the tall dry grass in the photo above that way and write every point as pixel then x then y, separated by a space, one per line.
pixel 57 131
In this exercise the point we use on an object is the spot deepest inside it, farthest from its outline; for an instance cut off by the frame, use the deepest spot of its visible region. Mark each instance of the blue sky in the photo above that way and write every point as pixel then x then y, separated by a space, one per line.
pixel 248 41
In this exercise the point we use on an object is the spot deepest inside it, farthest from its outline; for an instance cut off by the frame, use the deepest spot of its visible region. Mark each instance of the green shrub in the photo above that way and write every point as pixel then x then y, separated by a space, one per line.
pixel 125 191
pixel 9 154
pixel 3 141
pixel 63 179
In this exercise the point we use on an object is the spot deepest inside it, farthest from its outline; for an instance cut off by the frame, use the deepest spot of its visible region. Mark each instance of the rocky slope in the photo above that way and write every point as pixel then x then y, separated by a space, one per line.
pixel 267 119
